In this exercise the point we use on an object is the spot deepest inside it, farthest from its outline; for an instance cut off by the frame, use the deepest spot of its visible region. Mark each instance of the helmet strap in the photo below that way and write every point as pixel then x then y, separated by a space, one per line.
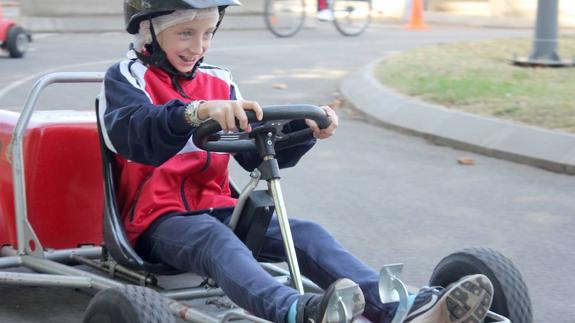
pixel 156 56
pixel 222 12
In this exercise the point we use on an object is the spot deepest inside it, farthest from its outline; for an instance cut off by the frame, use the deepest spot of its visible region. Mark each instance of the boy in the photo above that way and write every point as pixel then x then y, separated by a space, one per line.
pixel 175 198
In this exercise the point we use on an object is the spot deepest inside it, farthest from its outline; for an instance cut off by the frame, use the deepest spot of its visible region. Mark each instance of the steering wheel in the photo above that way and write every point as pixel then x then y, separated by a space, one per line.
pixel 208 135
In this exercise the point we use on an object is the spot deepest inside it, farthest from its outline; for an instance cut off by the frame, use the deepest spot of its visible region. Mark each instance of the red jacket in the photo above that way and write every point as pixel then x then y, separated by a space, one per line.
pixel 161 170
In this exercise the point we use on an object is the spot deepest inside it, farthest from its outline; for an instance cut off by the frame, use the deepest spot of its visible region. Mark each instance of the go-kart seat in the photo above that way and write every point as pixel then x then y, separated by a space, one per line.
pixel 115 240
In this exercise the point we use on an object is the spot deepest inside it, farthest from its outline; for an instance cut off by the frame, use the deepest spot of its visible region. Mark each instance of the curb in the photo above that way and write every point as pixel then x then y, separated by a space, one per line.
pixel 548 149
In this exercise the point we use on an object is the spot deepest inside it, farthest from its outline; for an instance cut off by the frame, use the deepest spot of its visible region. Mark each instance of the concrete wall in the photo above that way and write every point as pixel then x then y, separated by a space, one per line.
pixel 62 8
pixel 59 8
pixel 386 8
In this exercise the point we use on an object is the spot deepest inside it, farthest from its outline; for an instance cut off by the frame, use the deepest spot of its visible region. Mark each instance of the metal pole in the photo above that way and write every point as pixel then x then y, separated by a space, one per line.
pixel 50 267
pixel 255 176
pixel 8 262
pixel 545 44
pixel 189 314
pixel 193 293
pixel 275 189
pixel 308 285
pixel 28 242
pixel 43 280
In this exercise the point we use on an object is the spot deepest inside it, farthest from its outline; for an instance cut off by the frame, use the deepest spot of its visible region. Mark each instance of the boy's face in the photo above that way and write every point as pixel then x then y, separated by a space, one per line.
pixel 187 42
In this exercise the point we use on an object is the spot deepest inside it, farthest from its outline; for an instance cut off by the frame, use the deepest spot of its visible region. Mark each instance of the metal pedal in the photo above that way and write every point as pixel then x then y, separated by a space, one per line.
pixel 392 289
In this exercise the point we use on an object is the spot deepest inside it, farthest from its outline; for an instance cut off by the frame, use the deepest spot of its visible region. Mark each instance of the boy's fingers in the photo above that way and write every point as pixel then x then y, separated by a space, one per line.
pixel 334 119
pixel 255 107
pixel 259 111
pixel 313 126
pixel 331 115
pixel 230 118
pixel 241 116
pixel 220 117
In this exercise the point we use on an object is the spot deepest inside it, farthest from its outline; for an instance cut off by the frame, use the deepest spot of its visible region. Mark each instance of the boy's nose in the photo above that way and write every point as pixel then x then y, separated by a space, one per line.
pixel 195 46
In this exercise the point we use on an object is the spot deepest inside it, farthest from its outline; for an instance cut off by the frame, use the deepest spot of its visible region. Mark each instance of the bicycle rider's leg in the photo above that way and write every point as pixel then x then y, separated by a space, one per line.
pixel 324 260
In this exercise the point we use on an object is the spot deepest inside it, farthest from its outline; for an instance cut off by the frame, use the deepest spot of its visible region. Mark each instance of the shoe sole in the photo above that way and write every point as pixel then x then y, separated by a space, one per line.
pixel 466 301
pixel 344 293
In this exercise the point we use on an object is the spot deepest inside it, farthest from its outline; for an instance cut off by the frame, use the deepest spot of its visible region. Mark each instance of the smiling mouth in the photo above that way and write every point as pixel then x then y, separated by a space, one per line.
pixel 187 59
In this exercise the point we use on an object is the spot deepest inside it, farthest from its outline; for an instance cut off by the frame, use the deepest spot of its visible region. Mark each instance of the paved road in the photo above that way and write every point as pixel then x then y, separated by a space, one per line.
pixel 388 197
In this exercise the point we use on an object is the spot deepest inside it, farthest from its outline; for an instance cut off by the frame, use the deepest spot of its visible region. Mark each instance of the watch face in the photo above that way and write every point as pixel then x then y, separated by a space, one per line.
pixel 191 113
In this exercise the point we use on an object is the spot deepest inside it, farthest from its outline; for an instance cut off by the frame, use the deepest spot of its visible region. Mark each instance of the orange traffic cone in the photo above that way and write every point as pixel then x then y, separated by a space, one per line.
pixel 416 21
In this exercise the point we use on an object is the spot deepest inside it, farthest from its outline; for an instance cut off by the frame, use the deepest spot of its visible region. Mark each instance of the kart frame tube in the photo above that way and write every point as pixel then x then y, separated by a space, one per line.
pixel 28 242
pixel 30 253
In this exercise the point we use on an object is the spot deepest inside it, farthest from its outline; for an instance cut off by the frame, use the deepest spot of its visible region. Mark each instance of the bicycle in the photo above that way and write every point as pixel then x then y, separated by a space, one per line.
pixel 285 18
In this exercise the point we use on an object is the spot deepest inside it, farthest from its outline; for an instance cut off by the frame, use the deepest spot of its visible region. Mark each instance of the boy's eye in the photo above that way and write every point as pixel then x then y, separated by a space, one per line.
pixel 185 34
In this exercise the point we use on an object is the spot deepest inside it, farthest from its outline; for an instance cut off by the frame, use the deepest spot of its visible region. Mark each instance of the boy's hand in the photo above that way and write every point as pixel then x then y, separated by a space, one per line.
pixel 327 132
pixel 226 113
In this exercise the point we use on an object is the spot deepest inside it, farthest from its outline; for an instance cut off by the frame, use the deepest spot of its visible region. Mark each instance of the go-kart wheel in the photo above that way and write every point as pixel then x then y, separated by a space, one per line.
pixel 17 42
pixel 511 296
pixel 128 304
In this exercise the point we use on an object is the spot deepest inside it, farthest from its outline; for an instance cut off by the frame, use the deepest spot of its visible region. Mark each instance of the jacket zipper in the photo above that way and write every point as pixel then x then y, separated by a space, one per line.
pixel 137 196
pixel 208 161
pixel 183 185
pixel 183 194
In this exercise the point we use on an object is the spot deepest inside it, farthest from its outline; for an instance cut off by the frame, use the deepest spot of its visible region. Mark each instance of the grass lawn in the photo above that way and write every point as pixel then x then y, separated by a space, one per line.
pixel 479 78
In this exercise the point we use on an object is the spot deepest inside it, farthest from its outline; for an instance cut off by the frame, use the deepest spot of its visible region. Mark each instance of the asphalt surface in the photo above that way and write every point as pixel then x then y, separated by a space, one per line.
pixel 386 196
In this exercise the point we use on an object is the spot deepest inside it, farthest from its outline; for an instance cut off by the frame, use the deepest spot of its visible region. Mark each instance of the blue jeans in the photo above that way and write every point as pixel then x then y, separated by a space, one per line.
pixel 204 245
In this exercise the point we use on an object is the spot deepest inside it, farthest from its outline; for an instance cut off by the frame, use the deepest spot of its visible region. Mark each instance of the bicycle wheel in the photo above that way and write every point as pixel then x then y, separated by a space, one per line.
pixel 351 17
pixel 284 18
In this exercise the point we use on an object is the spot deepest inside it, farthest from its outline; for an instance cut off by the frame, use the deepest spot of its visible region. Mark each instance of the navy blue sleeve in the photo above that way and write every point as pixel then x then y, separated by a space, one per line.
pixel 137 129
pixel 288 157
pixel 234 93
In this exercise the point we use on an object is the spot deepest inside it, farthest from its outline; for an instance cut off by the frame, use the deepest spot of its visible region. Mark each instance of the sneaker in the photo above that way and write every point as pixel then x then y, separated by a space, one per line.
pixel 325 15
pixel 467 300
pixel 313 308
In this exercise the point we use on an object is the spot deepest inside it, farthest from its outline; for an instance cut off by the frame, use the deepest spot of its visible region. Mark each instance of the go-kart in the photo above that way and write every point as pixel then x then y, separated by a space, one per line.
pixel 59 217
pixel 13 38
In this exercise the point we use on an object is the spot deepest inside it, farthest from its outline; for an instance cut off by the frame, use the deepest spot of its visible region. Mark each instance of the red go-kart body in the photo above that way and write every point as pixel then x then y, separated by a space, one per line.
pixel 63 178
pixel 5 25
pixel 13 38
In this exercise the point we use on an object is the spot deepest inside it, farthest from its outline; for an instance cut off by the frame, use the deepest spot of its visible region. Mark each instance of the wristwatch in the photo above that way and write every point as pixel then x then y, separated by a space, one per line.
pixel 191 113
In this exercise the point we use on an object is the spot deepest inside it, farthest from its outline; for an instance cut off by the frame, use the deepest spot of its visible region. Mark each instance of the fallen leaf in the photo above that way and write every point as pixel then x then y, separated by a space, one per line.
pixel 466 161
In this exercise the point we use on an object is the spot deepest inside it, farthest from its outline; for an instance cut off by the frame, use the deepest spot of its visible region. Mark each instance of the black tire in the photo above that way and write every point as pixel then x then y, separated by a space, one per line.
pixel 284 18
pixel 17 42
pixel 351 17
pixel 128 304
pixel 511 296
